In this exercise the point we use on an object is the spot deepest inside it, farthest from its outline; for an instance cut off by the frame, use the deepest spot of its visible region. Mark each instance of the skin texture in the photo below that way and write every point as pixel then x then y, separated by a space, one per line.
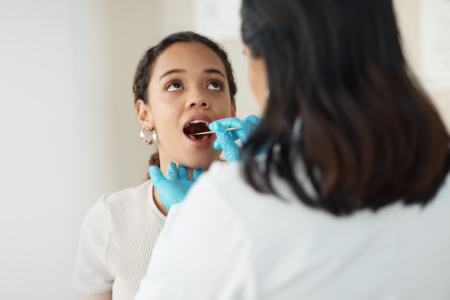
pixel 175 97
pixel 102 296
pixel 257 77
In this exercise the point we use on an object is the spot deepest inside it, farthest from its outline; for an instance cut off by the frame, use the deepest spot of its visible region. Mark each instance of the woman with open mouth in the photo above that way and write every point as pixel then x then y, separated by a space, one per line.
pixel 181 85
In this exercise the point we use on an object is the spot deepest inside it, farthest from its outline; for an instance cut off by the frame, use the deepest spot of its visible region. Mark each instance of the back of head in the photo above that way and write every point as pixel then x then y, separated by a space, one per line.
pixel 369 134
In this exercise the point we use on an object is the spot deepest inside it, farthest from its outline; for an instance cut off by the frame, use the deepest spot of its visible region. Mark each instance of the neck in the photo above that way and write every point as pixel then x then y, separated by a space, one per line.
pixel 164 160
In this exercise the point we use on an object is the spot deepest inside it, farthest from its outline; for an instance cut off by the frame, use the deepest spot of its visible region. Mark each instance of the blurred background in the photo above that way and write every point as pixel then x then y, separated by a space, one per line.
pixel 68 127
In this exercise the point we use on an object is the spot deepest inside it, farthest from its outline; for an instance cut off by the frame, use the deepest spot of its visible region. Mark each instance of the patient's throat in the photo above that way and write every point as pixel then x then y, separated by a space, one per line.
pixel 193 128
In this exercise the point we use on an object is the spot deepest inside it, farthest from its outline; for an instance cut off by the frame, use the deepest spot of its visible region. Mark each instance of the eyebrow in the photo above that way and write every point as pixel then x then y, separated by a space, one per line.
pixel 207 71
pixel 214 71
pixel 171 72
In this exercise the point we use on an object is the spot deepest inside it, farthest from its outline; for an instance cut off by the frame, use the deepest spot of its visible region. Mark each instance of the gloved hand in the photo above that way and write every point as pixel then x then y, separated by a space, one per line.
pixel 173 188
pixel 225 139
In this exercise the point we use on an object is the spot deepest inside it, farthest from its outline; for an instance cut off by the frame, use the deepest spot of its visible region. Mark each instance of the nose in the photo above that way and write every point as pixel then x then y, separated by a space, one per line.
pixel 197 100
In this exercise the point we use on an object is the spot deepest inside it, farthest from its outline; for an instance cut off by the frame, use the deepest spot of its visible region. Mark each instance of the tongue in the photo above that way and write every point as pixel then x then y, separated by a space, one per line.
pixel 195 128
pixel 202 137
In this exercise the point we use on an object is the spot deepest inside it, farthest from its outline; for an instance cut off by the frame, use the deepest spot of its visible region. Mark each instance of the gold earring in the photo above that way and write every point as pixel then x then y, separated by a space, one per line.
pixel 144 139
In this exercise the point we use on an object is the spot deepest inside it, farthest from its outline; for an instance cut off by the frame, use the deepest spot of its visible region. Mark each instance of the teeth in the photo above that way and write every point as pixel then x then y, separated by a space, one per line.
pixel 196 122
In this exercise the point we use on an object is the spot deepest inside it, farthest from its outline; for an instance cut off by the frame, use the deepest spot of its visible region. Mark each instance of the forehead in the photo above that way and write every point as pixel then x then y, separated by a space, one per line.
pixel 192 57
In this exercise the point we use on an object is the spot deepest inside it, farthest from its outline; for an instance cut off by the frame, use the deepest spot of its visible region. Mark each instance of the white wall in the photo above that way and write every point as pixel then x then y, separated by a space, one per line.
pixel 34 87
pixel 65 82
pixel 408 13
pixel 68 128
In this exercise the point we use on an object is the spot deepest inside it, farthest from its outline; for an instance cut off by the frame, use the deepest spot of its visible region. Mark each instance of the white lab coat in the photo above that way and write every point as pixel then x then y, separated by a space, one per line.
pixel 226 241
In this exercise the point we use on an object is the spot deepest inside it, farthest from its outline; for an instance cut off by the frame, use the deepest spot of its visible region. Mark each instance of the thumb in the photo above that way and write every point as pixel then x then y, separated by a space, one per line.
pixel 172 171
pixel 196 174
pixel 227 123
pixel 225 142
pixel 252 120
pixel 156 175
pixel 223 139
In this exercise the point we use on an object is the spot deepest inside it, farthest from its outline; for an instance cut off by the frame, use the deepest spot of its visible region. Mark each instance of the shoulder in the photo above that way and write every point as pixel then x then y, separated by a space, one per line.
pixel 128 196
pixel 212 193
pixel 206 204
pixel 228 180
pixel 211 210
pixel 224 180
pixel 206 210
pixel 224 173
pixel 225 185
pixel 135 201
pixel 129 205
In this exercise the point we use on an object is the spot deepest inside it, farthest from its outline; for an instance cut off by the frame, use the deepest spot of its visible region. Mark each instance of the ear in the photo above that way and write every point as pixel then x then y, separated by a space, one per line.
pixel 233 109
pixel 144 115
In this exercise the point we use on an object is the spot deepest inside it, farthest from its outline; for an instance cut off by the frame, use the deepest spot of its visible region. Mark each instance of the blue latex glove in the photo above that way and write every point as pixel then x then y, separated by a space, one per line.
pixel 173 188
pixel 225 140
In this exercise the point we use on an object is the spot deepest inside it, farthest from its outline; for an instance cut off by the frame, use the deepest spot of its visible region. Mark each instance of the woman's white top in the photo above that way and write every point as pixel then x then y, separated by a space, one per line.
pixel 117 239
pixel 226 241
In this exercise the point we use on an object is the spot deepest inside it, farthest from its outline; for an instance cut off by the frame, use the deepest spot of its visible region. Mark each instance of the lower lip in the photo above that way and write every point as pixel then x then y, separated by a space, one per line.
pixel 200 144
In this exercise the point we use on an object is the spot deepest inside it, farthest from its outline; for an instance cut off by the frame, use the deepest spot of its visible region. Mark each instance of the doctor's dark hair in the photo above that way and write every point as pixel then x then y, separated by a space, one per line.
pixel 369 134
pixel 144 69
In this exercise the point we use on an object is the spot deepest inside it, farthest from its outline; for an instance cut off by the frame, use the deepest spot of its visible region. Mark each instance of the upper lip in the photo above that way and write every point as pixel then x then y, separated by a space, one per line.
pixel 197 117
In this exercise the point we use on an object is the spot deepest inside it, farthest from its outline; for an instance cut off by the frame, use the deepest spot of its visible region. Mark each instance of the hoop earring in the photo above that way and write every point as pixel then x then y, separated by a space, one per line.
pixel 144 139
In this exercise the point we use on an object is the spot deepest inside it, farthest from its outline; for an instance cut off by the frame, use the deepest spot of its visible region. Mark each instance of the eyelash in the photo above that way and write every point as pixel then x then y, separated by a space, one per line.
pixel 167 86
pixel 218 81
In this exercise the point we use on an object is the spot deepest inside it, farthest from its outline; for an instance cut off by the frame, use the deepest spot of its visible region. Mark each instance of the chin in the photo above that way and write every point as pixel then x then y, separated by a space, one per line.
pixel 201 160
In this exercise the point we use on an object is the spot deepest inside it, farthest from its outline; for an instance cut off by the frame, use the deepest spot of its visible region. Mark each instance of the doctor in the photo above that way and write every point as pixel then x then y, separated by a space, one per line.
pixel 350 201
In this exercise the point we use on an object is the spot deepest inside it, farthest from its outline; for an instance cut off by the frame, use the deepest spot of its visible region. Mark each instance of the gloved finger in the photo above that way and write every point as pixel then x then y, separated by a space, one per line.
pixel 196 174
pixel 183 173
pixel 250 124
pixel 230 149
pixel 252 120
pixel 243 134
pixel 156 176
pixel 167 203
pixel 224 141
pixel 232 134
pixel 220 132
pixel 228 139
pixel 228 123
pixel 172 171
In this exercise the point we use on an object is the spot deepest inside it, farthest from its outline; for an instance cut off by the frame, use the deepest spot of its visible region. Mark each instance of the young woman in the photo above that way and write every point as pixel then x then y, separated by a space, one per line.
pixel 352 201
pixel 181 85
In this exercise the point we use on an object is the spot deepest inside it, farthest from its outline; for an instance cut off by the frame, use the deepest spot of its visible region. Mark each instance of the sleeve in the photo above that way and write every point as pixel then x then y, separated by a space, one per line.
pixel 92 274
pixel 202 252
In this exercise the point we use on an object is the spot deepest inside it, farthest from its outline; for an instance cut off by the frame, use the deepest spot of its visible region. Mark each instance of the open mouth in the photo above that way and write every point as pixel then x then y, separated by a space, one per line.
pixel 197 126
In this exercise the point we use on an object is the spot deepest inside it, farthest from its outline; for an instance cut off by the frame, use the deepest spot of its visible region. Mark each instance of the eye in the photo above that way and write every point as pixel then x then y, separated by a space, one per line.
pixel 215 85
pixel 175 86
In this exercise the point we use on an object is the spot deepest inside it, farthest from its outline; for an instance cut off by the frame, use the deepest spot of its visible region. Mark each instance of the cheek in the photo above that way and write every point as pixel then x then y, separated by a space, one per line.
pixel 251 77
pixel 255 84
pixel 258 83
pixel 223 108
pixel 165 122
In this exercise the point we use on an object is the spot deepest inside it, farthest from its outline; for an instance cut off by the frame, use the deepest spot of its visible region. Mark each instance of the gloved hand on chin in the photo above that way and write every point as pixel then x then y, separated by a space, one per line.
pixel 225 140
pixel 173 188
